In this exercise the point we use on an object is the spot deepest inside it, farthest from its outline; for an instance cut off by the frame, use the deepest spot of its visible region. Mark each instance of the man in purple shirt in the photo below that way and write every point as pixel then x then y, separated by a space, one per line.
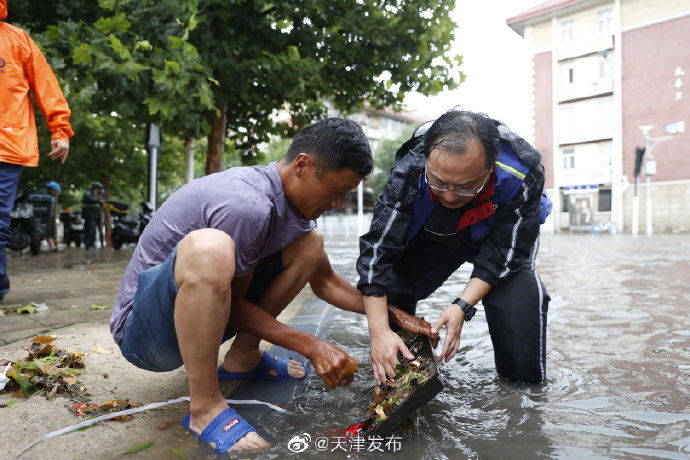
pixel 222 257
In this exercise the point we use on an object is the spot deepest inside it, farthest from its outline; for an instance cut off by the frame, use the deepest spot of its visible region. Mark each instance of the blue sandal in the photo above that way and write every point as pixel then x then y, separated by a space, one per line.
pixel 267 363
pixel 223 432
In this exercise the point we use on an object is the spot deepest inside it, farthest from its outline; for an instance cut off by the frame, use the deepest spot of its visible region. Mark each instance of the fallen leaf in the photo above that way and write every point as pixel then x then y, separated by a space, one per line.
pixel 26 310
pixel 178 452
pixel 139 448
pixel 163 426
pixel 100 307
pixel 43 339
pixel 51 395
pixel 95 410
pixel 100 349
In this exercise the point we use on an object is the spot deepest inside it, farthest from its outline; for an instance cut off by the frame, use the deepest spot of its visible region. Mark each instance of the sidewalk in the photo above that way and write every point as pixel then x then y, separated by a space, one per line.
pixel 69 283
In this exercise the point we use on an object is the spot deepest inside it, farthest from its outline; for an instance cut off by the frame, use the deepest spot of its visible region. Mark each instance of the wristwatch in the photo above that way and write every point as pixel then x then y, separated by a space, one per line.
pixel 466 308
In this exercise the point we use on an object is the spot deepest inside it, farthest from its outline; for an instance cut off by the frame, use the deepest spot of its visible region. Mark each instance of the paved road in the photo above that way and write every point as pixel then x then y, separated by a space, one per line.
pixel 68 282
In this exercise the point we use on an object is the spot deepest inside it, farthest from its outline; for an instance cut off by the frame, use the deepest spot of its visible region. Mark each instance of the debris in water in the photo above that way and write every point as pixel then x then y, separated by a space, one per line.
pixel 416 382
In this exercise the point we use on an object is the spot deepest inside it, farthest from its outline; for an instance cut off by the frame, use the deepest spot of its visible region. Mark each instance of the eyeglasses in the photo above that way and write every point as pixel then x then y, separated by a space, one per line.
pixel 459 192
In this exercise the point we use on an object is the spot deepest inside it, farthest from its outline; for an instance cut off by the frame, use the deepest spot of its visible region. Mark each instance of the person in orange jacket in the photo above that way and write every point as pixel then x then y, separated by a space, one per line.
pixel 24 69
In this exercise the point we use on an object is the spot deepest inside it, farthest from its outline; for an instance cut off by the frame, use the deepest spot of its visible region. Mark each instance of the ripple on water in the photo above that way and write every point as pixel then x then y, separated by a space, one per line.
pixel 607 393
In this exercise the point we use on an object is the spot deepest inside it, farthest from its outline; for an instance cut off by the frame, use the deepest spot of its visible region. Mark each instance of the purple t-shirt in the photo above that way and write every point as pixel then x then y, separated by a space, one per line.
pixel 247 203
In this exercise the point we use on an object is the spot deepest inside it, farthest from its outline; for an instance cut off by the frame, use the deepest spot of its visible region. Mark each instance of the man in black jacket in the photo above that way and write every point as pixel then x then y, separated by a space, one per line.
pixel 463 189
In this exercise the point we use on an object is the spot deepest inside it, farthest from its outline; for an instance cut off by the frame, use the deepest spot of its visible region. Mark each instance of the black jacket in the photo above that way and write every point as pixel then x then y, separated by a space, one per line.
pixel 510 242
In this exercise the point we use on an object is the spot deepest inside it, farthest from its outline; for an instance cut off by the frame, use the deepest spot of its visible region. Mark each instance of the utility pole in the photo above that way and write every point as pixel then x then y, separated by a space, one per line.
pixel 649 171
pixel 154 145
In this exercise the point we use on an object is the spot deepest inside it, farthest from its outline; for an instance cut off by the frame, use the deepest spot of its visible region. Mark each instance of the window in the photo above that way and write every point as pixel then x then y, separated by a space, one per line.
pixel 567 30
pixel 604 200
pixel 568 74
pixel 604 21
pixel 568 158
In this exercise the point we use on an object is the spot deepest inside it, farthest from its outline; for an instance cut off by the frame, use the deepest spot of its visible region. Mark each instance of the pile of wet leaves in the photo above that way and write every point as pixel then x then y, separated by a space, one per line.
pixel 48 370
pixel 410 375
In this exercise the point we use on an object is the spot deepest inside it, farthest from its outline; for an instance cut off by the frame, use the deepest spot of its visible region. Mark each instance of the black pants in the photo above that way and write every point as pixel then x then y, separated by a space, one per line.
pixel 516 308
pixel 93 221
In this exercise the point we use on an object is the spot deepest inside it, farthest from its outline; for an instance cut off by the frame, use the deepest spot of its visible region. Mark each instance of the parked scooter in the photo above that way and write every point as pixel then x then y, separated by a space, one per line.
pixel 29 221
pixel 126 228
pixel 73 228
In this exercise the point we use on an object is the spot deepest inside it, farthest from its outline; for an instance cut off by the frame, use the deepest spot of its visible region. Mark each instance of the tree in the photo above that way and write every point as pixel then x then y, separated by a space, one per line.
pixel 272 55
pixel 384 158
pixel 122 64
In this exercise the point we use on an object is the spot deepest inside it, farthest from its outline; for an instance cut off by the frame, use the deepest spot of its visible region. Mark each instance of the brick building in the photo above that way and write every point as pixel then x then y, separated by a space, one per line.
pixel 603 69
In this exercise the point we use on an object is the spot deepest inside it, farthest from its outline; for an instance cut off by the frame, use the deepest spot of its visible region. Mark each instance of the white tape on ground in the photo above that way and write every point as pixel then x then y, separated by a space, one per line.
pixel 135 410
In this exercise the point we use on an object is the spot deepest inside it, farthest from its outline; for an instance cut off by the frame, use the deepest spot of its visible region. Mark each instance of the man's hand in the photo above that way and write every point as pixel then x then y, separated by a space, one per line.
pixel 385 345
pixel 60 150
pixel 334 366
pixel 411 323
pixel 452 318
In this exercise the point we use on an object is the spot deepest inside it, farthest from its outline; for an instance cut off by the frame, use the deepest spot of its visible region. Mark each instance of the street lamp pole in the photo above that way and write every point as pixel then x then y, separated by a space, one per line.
pixel 649 171
pixel 154 144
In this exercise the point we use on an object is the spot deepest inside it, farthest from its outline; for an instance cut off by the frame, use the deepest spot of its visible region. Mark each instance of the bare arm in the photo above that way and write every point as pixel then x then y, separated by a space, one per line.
pixel 331 363
pixel 475 290
pixel 329 286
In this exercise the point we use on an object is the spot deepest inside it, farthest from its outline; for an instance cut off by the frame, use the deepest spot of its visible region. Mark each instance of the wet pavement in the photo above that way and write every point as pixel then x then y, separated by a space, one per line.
pixel 68 282
pixel 618 353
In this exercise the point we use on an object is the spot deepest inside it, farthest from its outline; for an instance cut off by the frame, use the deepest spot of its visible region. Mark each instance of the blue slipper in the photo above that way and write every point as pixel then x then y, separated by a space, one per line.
pixel 267 363
pixel 223 432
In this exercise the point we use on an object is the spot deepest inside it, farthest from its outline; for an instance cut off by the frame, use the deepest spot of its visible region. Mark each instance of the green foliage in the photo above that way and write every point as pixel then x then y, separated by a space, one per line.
pixel 268 55
pixel 121 64
pixel 384 158
pixel 125 63
pixel 276 149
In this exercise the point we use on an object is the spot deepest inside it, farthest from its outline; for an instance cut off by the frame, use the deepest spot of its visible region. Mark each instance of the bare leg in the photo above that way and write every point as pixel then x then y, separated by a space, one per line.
pixel 300 260
pixel 204 269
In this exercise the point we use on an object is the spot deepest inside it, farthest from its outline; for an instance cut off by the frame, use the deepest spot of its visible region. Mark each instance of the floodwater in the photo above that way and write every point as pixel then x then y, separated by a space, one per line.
pixel 618 363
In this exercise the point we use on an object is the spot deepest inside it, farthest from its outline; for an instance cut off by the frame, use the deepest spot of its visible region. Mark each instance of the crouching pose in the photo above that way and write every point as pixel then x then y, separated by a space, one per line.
pixel 222 257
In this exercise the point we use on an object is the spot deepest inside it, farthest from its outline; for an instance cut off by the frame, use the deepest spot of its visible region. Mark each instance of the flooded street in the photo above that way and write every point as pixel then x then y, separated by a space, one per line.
pixel 618 361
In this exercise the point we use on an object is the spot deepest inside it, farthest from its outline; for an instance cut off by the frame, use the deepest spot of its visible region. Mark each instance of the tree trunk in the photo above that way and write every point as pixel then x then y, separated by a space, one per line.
pixel 216 140
pixel 189 144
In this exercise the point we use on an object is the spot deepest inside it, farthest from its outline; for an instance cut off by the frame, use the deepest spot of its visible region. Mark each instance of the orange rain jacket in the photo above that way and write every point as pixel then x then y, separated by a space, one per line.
pixel 22 69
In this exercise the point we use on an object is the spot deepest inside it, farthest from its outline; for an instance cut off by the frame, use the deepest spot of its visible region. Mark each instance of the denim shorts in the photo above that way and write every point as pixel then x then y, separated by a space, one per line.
pixel 149 340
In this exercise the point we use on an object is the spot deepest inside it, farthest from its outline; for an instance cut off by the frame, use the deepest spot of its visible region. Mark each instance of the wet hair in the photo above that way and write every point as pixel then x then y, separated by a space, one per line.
pixel 453 131
pixel 335 144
